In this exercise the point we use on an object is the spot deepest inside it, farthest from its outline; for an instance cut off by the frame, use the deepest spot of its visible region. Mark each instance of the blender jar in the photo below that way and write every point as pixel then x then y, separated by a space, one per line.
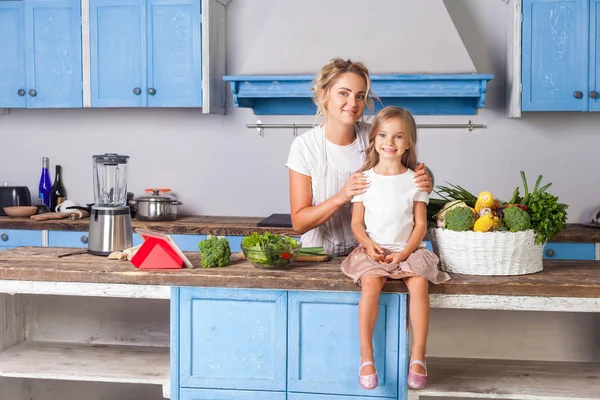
pixel 110 180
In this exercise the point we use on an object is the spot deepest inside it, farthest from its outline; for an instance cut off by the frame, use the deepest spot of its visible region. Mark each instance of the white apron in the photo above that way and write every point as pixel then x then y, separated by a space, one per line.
pixel 335 235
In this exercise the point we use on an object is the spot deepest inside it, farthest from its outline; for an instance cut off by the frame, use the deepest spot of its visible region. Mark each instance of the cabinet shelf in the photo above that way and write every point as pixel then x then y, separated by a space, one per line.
pixel 511 379
pixel 86 362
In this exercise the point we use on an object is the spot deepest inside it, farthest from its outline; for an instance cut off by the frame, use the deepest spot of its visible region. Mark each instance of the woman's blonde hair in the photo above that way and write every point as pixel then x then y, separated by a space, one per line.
pixel 409 158
pixel 330 73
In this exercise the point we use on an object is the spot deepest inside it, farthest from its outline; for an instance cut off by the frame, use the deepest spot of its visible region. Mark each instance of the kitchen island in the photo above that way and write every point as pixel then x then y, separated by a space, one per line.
pixel 260 324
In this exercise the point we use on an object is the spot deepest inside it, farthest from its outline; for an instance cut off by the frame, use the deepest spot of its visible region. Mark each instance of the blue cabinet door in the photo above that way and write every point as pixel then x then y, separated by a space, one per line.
pixel 174 53
pixel 53 53
pixel 67 239
pixel 323 344
pixel 232 339
pixel 118 59
pixel 570 251
pixel 555 55
pixel 10 238
pixel 211 394
pixel 12 54
pixel 594 95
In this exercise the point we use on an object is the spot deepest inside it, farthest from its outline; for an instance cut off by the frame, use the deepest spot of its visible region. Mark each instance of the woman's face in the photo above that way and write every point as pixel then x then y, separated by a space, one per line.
pixel 347 97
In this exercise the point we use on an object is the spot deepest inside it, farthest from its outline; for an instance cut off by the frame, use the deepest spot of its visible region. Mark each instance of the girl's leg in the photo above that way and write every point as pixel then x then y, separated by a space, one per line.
pixel 368 306
pixel 418 287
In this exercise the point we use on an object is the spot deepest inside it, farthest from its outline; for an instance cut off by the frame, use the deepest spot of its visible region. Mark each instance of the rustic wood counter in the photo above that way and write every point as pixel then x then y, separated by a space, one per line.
pixel 238 226
pixel 569 279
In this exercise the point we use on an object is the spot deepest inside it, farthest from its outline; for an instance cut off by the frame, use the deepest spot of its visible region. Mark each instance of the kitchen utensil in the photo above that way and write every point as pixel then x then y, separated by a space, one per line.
pixel 595 216
pixel 20 211
pixel 311 258
pixel 11 196
pixel 277 220
pixel 110 219
pixel 158 205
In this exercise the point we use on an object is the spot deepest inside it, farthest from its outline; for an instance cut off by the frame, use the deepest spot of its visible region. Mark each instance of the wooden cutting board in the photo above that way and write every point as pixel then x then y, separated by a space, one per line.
pixel 310 258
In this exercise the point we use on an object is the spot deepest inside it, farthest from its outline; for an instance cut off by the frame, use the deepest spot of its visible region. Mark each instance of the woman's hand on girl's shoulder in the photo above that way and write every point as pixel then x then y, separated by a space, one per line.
pixel 356 184
pixel 422 179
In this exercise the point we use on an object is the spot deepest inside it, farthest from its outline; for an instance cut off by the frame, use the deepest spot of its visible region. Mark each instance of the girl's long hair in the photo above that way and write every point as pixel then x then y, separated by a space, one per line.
pixel 409 158
pixel 329 75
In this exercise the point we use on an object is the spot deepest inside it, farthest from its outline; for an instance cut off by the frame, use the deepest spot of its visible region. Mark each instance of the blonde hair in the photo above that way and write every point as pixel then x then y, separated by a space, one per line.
pixel 329 75
pixel 409 158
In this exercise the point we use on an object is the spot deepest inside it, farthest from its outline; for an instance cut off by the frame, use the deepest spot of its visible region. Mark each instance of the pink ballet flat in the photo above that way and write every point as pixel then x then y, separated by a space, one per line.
pixel 367 382
pixel 416 380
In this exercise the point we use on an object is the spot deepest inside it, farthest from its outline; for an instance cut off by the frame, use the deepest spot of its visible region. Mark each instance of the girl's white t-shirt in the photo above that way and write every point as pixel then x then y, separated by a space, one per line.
pixel 388 202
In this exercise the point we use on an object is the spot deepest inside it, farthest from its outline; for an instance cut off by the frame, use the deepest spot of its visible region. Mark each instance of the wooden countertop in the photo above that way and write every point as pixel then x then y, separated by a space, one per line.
pixel 558 279
pixel 238 226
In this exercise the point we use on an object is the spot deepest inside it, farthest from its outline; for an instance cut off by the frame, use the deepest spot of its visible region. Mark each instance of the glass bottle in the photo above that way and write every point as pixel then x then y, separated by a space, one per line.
pixel 58 193
pixel 45 184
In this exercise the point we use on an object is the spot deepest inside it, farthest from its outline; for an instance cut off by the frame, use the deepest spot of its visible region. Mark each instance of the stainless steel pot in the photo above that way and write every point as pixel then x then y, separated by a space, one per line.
pixel 157 206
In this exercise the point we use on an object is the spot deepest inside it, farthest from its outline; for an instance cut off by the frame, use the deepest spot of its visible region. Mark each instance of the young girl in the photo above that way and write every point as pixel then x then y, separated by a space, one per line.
pixel 389 222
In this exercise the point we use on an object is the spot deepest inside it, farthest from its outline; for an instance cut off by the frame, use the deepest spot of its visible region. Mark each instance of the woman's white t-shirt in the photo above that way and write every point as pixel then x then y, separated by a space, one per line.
pixel 388 202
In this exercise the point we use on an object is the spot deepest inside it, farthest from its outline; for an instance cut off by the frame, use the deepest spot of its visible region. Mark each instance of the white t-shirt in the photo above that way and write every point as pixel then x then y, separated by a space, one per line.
pixel 388 202
pixel 305 154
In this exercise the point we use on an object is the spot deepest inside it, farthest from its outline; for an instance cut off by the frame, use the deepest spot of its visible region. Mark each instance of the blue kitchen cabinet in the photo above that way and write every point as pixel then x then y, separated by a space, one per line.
pixel 231 339
pixel 118 64
pixel 12 51
pixel 210 394
pixel 570 251
pixel 43 66
pixel 323 343
pixel 10 238
pixel 594 71
pixel 67 239
pixel 555 47
pixel 146 53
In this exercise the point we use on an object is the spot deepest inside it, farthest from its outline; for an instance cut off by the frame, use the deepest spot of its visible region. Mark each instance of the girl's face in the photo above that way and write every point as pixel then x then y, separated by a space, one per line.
pixel 391 140
pixel 347 97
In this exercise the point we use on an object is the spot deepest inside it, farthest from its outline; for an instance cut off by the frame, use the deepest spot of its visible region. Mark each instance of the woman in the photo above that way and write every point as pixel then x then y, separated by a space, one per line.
pixel 322 162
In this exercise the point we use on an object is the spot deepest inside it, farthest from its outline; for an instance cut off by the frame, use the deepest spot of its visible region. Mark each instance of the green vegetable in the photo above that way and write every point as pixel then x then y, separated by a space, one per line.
pixel 548 216
pixel 516 219
pixel 215 252
pixel 269 250
pixel 459 219
pixel 455 192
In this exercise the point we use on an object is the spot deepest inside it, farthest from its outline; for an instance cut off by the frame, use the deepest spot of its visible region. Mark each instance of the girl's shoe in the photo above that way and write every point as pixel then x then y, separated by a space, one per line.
pixel 368 382
pixel 416 380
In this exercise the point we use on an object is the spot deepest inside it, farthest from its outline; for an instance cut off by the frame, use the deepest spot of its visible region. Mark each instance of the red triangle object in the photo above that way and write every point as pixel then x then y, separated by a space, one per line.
pixel 156 254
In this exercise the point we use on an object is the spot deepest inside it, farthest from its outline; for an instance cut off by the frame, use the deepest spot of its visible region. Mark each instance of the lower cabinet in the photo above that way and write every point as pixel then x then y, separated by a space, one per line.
pixel 209 394
pixel 67 239
pixel 277 344
pixel 10 238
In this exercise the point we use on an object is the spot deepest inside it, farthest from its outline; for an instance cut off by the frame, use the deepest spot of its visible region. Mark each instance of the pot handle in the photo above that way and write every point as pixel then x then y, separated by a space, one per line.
pixel 176 203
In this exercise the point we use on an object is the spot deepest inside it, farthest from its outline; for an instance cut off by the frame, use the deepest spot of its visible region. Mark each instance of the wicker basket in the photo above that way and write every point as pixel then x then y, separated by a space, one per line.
pixel 487 253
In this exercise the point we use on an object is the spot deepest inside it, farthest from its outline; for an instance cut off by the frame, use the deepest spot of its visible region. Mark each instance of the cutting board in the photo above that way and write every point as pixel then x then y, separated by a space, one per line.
pixel 277 220
pixel 310 258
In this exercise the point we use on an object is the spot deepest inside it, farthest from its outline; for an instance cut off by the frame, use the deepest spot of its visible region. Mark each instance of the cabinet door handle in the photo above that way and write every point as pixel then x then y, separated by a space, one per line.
pixel 32 93
pixel 84 239
pixel 151 91
pixel 549 253
pixel 4 237
pixel 594 94
pixel 21 92
pixel 137 91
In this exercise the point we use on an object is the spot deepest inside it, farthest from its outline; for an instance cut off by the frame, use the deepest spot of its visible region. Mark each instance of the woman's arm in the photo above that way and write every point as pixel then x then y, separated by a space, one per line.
pixel 304 215
pixel 360 233
pixel 417 235
pixel 423 178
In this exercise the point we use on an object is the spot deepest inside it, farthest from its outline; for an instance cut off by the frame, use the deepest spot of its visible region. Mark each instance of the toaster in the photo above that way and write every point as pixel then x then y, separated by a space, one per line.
pixel 14 196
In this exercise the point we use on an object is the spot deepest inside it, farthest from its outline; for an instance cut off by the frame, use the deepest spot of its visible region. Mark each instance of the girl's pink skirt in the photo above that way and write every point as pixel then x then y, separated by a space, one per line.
pixel 421 262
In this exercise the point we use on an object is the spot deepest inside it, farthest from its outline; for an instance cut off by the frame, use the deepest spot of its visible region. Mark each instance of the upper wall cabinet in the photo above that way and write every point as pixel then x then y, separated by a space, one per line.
pixel 40 54
pixel 156 53
pixel 553 63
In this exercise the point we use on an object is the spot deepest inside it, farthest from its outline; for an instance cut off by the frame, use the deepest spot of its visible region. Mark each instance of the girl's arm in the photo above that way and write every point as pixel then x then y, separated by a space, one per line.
pixel 417 235
pixel 304 215
pixel 360 234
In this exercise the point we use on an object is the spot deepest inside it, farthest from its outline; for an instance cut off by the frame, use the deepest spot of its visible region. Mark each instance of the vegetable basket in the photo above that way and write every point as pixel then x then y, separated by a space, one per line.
pixel 487 253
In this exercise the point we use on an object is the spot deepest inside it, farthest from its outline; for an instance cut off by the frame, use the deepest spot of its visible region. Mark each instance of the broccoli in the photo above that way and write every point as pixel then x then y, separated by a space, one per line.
pixel 516 219
pixel 215 252
pixel 459 219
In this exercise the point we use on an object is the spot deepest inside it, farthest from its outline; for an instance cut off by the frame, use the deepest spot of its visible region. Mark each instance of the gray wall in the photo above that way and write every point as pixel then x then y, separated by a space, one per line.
pixel 217 166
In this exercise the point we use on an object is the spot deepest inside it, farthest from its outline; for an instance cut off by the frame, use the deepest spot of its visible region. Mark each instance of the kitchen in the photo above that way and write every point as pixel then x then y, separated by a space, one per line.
pixel 212 161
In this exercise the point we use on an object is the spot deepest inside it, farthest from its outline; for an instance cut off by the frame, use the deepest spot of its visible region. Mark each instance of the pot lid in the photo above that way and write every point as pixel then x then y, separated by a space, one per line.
pixel 158 195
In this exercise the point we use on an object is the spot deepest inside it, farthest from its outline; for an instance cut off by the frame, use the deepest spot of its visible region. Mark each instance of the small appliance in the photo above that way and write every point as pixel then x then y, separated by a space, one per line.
pixel 110 218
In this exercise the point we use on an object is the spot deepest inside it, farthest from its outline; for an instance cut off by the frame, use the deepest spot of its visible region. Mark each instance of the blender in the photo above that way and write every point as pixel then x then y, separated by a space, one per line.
pixel 110 219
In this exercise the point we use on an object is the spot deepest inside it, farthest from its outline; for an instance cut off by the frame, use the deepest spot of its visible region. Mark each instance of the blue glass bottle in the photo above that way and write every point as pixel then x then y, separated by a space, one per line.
pixel 45 185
